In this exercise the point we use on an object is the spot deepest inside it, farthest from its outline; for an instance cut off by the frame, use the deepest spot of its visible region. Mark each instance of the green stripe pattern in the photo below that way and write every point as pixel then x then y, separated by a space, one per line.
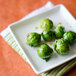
pixel 9 38
pixel 58 71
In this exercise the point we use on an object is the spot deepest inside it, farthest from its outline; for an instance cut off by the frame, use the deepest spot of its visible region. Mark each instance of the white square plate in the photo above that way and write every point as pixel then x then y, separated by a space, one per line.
pixel 19 30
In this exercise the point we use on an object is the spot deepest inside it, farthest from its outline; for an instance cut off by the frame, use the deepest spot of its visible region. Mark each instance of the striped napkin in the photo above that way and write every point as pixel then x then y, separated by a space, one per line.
pixel 58 71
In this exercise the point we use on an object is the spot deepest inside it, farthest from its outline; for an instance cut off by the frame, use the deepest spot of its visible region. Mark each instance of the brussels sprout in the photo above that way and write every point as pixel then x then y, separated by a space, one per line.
pixel 45 52
pixel 33 39
pixel 47 35
pixel 46 24
pixel 69 37
pixel 61 47
pixel 59 31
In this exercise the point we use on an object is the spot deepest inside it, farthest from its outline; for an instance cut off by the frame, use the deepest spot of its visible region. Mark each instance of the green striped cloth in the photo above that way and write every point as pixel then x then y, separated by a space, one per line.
pixel 58 71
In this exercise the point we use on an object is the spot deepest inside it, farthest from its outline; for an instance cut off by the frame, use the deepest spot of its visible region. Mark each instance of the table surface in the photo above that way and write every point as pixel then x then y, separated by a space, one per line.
pixel 11 64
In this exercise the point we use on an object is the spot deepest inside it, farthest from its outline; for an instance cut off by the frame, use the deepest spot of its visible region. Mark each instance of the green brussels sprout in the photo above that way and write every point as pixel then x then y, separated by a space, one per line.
pixel 47 35
pixel 61 47
pixel 45 52
pixel 69 37
pixel 33 39
pixel 59 31
pixel 46 24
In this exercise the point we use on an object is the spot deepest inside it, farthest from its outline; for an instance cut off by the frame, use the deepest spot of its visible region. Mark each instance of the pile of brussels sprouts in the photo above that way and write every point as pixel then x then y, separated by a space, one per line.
pixel 61 46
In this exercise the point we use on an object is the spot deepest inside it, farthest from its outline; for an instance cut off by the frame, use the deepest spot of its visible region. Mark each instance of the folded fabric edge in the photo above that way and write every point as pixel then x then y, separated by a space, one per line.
pixel 69 65
pixel 61 70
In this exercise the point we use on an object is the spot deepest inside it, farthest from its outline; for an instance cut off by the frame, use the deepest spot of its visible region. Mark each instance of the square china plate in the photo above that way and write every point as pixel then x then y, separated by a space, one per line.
pixel 20 29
